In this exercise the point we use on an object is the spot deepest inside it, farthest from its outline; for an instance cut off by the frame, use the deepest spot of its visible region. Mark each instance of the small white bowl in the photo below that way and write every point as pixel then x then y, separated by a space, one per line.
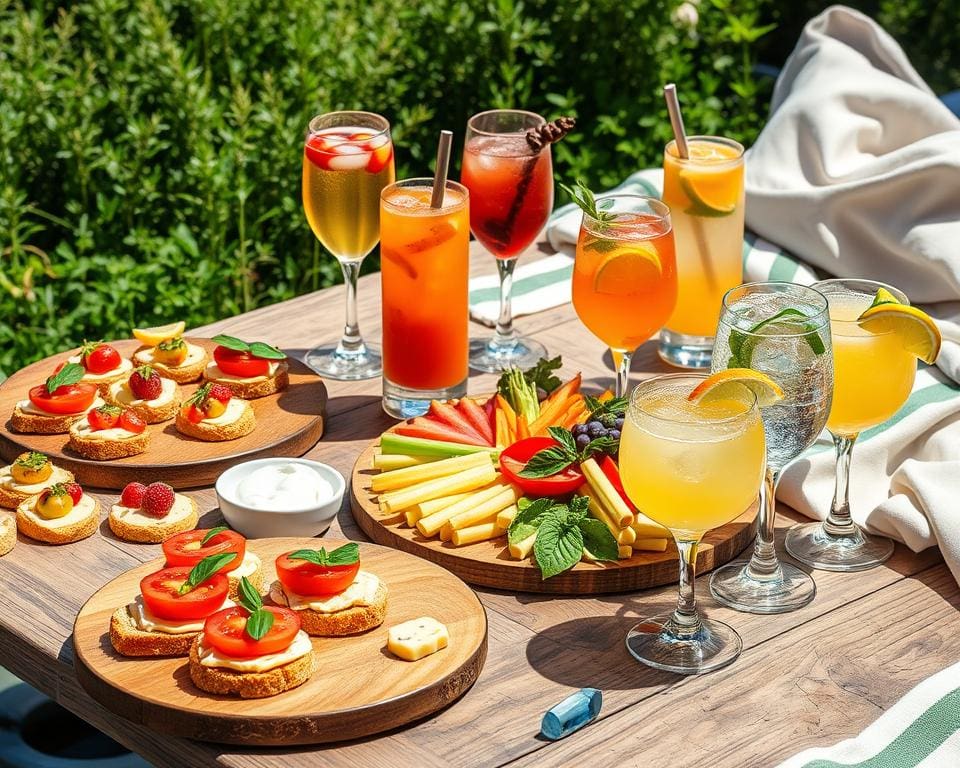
pixel 262 524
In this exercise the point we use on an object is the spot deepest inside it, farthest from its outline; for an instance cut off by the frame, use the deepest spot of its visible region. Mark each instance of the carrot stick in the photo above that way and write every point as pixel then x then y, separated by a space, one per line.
pixel 553 414
pixel 503 429
pixel 607 395
pixel 572 415
pixel 564 391
pixel 508 411
pixel 523 429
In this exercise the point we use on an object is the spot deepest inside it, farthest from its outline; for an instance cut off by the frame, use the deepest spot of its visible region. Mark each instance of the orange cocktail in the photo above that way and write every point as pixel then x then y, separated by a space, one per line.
pixel 424 262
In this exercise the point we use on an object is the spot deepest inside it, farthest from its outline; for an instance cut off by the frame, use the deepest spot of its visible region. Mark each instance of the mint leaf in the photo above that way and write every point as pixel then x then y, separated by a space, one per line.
pixel 263 350
pixel 541 375
pixel 528 519
pixel 559 545
pixel 259 623
pixel 598 540
pixel 579 506
pixel 248 596
pixel 205 569
pixel 213 532
pixel 564 437
pixel 348 554
pixel 548 462
pixel 71 373
pixel 231 342
pixel 599 445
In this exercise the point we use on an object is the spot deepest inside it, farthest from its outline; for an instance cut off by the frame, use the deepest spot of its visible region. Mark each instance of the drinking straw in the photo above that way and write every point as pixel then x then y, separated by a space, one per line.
pixel 680 136
pixel 443 165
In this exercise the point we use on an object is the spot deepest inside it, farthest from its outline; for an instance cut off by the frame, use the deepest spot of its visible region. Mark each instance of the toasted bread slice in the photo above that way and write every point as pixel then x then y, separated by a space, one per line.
pixel 42 424
pixel 351 621
pixel 252 388
pixel 154 530
pixel 213 431
pixel 8 532
pixel 11 496
pixel 189 370
pixel 129 640
pixel 119 394
pixel 100 449
pixel 255 579
pixel 250 685
pixel 36 528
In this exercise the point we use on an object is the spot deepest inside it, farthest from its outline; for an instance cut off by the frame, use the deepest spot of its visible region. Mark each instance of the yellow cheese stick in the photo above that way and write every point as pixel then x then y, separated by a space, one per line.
pixel 505 517
pixel 466 480
pixel 522 549
pixel 403 478
pixel 411 516
pixel 487 509
pixel 646 528
pixel 606 494
pixel 435 505
pixel 387 461
pixel 624 552
pixel 431 525
pixel 627 536
pixel 446 532
pixel 598 511
pixel 651 545
pixel 476 533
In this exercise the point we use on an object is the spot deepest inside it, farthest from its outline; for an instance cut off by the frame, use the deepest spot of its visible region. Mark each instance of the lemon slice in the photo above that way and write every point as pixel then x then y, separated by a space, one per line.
pixel 153 336
pixel 914 327
pixel 733 383
pixel 628 270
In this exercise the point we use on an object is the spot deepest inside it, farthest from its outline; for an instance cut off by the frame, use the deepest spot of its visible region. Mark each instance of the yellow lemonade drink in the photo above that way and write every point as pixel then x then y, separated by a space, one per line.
pixel 706 199
pixel 691 467
pixel 872 373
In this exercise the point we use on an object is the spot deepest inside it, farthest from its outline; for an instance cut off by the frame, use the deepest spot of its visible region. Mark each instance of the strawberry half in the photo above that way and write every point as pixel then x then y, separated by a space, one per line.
pixel 145 383
pixel 105 417
pixel 220 392
pixel 131 422
pixel 74 490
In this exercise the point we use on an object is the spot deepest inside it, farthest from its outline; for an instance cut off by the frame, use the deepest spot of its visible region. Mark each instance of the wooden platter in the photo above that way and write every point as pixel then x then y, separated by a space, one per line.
pixel 359 688
pixel 488 564
pixel 288 424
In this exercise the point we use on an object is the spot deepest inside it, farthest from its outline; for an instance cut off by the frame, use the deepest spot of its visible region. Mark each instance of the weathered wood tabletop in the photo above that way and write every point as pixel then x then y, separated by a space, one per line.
pixel 811 677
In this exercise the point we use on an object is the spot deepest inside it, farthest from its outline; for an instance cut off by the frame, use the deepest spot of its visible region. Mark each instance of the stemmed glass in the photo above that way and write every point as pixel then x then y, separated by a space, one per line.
pixel 690 467
pixel 782 330
pixel 873 377
pixel 511 196
pixel 625 274
pixel 347 161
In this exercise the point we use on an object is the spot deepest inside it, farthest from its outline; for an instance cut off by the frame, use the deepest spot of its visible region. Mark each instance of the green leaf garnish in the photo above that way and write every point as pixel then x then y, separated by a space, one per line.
pixel 527 519
pixel 557 458
pixel 231 342
pixel 200 395
pixel 598 540
pixel 742 344
pixel 248 596
pixel 213 532
pixel 587 202
pixel 348 554
pixel 71 373
pixel 205 569
pixel 259 621
pixel 255 348
pixel 32 460
pixel 559 545
pixel 541 375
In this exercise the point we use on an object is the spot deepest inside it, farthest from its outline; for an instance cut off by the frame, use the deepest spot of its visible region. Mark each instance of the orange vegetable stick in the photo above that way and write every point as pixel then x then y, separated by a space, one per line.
pixel 503 429
pixel 523 429
pixel 607 395
pixel 573 414
pixel 508 411
pixel 552 414
pixel 565 391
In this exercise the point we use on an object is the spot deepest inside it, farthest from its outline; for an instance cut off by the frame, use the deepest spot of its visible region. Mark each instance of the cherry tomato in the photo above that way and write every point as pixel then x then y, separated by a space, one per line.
pixel 104 417
pixel 131 422
pixel 161 594
pixel 242 364
pixel 226 632
pixel 70 398
pixel 311 580
pixel 515 457
pixel 102 359
pixel 186 549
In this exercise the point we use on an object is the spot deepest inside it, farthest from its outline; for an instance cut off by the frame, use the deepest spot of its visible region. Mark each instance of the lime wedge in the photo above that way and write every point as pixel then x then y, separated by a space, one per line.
pixel 883 297
pixel 787 321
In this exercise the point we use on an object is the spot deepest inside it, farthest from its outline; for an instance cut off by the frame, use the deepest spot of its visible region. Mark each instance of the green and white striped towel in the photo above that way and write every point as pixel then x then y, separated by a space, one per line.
pixel 922 730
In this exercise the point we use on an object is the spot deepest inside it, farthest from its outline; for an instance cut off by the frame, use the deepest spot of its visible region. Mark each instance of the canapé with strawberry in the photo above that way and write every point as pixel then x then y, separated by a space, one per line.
pixel 149 514
pixel 213 413
pixel 109 432
pixel 60 514
pixel 152 397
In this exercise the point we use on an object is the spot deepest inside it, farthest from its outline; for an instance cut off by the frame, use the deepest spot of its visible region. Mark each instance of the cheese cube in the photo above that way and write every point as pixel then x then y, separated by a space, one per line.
pixel 415 639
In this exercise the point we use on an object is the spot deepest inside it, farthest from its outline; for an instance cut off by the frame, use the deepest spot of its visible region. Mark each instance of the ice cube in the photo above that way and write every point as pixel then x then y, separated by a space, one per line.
pixel 355 159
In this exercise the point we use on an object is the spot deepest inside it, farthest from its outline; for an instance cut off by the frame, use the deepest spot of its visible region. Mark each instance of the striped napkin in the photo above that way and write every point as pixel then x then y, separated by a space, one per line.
pixel 922 730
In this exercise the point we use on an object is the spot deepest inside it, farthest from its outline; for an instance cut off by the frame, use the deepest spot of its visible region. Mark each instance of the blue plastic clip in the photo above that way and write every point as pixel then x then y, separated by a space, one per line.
pixel 571 714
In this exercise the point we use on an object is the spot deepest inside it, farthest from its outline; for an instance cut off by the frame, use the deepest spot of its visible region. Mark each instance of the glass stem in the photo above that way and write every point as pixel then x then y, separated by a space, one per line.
pixel 622 359
pixel 505 335
pixel 838 522
pixel 686 621
pixel 352 342
pixel 764 565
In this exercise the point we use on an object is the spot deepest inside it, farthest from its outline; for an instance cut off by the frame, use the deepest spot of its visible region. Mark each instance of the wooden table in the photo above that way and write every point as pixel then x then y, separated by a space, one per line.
pixel 811 677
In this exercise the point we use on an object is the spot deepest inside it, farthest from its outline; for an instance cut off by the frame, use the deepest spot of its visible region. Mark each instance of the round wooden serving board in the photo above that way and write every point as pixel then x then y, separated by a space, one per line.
pixel 358 688
pixel 288 424
pixel 488 564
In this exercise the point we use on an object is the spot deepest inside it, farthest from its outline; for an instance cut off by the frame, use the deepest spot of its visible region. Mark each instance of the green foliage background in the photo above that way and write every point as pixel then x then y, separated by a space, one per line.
pixel 150 150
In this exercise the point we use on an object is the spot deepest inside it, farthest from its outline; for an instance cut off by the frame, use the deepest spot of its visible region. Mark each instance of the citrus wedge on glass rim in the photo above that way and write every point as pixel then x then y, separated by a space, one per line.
pixel 153 336
pixel 915 329
pixel 628 270
pixel 733 384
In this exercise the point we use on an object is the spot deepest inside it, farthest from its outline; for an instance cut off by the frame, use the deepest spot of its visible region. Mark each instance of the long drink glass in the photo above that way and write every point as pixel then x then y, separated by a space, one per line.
pixel 624 275
pixel 690 467
pixel 782 330
pixel 873 377
pixel 705 195
pixel 347 160
pixel 511 196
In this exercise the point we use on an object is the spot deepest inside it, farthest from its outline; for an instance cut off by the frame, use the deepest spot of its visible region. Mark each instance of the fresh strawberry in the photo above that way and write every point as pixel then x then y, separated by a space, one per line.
pixel 158 499
pixel 220 392
pixel 131 422
pixel 145 383
pixel 74 490
pixel 105 417
pixel 132 495
pixel 381 155
pixel 98 357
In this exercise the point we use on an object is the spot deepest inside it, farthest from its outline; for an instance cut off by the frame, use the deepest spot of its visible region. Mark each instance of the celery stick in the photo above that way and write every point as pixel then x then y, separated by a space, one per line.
pixel 418 446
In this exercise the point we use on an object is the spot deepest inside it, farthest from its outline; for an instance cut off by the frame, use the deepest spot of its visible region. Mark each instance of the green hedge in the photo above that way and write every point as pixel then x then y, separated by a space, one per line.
pixel 150 150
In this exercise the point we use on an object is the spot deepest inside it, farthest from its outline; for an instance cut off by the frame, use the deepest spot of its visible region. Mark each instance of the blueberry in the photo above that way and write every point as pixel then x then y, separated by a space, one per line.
pixel 596 429
pixel 618 424
pixel 614 433
pixel 579 429
pixel 583 441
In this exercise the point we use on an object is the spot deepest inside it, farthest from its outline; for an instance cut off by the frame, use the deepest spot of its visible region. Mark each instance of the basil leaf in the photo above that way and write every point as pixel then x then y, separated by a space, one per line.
pixel 598 540
pixel 205 569
pixel 265 351
pixel 527 519
pixel 259 623
pixel 559 545
pixel 541 375
pixel 231 342
pixel 248 596
pixel 547 462
pixel 317 557
pixel 213 532
pixel 348 554
pixel 564 437
pixel 71 373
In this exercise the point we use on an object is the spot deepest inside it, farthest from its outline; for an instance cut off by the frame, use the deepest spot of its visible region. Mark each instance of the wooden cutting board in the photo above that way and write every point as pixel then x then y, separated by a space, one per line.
pixel 359 687
pixel 488 564
pixel 288 424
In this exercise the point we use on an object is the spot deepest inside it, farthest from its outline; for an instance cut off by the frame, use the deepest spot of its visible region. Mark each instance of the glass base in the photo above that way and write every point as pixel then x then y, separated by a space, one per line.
pixel 734 587
pixel 405 403
pixel 683 351
pixel 811 544
pixel 716 645
pixel 340 365
pixel 525 353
